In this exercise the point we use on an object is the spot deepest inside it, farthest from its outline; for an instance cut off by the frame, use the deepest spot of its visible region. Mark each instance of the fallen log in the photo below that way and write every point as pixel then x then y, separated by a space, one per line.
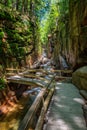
pixel 44 109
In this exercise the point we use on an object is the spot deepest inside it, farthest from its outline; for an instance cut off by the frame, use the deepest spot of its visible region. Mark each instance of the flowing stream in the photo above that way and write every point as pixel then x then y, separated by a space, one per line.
pixel 11 120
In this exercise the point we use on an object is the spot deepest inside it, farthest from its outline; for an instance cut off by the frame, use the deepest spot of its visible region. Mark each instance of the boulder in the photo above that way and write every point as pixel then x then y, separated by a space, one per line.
pixel 79 78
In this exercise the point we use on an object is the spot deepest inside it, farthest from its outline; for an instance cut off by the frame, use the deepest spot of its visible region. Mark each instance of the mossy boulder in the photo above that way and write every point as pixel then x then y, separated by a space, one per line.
pixel 79 78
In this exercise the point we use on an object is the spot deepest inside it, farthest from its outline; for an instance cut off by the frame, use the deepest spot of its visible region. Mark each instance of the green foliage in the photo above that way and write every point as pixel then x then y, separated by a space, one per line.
pixel 19 31
pixel 2 83
pixel 1 34
pixel 48 24
pixel 55 19
pixel 6 13
pixel 16 33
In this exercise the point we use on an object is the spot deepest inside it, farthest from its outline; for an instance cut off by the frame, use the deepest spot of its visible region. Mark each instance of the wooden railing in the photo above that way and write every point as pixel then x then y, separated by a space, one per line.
pixel 28 120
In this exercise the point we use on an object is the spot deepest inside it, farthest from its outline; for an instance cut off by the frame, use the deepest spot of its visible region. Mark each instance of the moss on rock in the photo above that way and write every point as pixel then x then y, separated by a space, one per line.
pixel 15 34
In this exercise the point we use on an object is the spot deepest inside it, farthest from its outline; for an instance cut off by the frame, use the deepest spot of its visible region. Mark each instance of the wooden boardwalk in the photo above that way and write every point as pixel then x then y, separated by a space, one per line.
pixel 30 76
pixel 65 111
pixel 44 80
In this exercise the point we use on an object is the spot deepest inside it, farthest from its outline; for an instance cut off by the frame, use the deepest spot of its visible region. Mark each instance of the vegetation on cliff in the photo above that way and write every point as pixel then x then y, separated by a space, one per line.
pixel 26 25
pixel 19 34
pixel 66 25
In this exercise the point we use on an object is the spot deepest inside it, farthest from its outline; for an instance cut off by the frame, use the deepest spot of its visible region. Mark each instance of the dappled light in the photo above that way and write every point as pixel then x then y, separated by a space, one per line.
pixel 78 100
pixel 59 83
pixel 66 113
pixel 43 64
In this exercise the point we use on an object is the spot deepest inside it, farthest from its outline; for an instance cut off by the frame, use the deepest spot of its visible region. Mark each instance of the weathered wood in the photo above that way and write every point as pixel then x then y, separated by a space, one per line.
pixel 11 69
pixel 44 109
pixel 32 74
pixel 37 70
pixel 10 74
pixel 26 71
pixel 15 69
pixel 41 77
pixel 62 77
pixel 47 86
pixel 64 71
pixel 26 81
pixel 26 122
pixel 35 76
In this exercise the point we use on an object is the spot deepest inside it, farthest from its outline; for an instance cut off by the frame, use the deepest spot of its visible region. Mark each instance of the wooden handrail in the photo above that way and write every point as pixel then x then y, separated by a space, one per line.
pixel 29 117
pixel 44 109
pixel 27 121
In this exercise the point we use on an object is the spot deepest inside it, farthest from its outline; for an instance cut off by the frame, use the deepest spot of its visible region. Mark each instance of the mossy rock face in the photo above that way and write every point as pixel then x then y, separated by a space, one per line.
pixel 72 34
pixel 79 78
pixel 15 34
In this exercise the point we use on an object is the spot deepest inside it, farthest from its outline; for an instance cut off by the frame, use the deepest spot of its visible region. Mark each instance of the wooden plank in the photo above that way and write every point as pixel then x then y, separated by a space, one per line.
pixel 41 77
pixel 62 77
pixel 25 71
pixel 64 71
pixel 10 74
pixel 35 76
pixel 44 109
pixel 37 70
pixel 11 69
pixel 15 69
pixel 26 81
